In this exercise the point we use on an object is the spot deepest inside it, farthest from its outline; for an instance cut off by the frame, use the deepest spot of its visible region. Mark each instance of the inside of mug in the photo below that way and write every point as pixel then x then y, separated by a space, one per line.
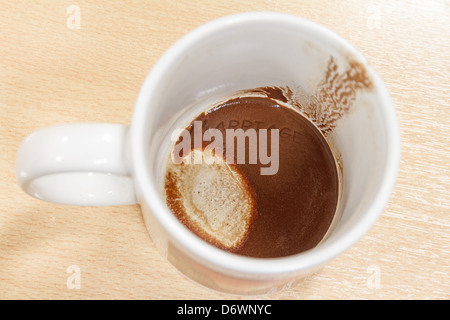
pixel 253 54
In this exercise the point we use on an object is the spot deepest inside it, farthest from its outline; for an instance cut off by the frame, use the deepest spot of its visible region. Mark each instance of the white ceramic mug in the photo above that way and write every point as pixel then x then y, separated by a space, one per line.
pixel 112 164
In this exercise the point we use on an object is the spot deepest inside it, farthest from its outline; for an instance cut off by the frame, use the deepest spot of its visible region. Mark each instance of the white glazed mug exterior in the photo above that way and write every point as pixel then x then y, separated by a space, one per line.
pixel 111 164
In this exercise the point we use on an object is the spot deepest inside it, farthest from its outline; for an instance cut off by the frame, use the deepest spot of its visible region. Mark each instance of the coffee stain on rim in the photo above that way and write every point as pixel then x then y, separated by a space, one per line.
pixel 333 97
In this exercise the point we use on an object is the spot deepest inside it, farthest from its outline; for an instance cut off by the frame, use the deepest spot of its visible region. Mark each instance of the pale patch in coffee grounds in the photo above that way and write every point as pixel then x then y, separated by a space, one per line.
pixel 212 198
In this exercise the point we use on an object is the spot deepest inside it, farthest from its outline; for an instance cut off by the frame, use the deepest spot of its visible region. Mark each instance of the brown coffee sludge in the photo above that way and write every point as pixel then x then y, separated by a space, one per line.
pixel 235 207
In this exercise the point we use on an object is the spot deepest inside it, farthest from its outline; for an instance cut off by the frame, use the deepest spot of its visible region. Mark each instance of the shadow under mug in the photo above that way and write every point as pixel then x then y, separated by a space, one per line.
pixel 112 164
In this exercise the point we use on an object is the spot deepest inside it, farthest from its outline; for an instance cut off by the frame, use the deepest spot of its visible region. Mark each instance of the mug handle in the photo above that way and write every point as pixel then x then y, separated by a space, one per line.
pixel 77 164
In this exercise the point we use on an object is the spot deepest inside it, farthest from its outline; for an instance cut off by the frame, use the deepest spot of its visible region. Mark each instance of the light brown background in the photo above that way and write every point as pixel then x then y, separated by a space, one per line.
pixel 51 74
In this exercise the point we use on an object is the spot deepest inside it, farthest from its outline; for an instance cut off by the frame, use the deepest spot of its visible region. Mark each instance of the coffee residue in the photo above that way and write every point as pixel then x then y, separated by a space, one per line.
pixel 233 206
pixel 332 99
pixel 244 212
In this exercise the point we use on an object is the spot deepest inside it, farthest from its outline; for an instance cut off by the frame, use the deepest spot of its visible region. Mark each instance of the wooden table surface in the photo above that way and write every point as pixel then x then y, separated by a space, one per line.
pixel 56 68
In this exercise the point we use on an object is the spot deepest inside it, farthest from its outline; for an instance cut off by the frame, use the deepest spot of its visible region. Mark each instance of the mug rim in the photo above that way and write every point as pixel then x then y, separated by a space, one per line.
pixel 218 258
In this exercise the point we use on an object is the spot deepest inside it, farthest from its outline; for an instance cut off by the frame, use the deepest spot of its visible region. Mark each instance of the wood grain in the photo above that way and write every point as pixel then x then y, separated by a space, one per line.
pixel 50 74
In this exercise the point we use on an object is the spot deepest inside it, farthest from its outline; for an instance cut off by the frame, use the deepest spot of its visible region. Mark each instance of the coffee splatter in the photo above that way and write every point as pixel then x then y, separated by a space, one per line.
pixel 283 94
pixel 332 99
